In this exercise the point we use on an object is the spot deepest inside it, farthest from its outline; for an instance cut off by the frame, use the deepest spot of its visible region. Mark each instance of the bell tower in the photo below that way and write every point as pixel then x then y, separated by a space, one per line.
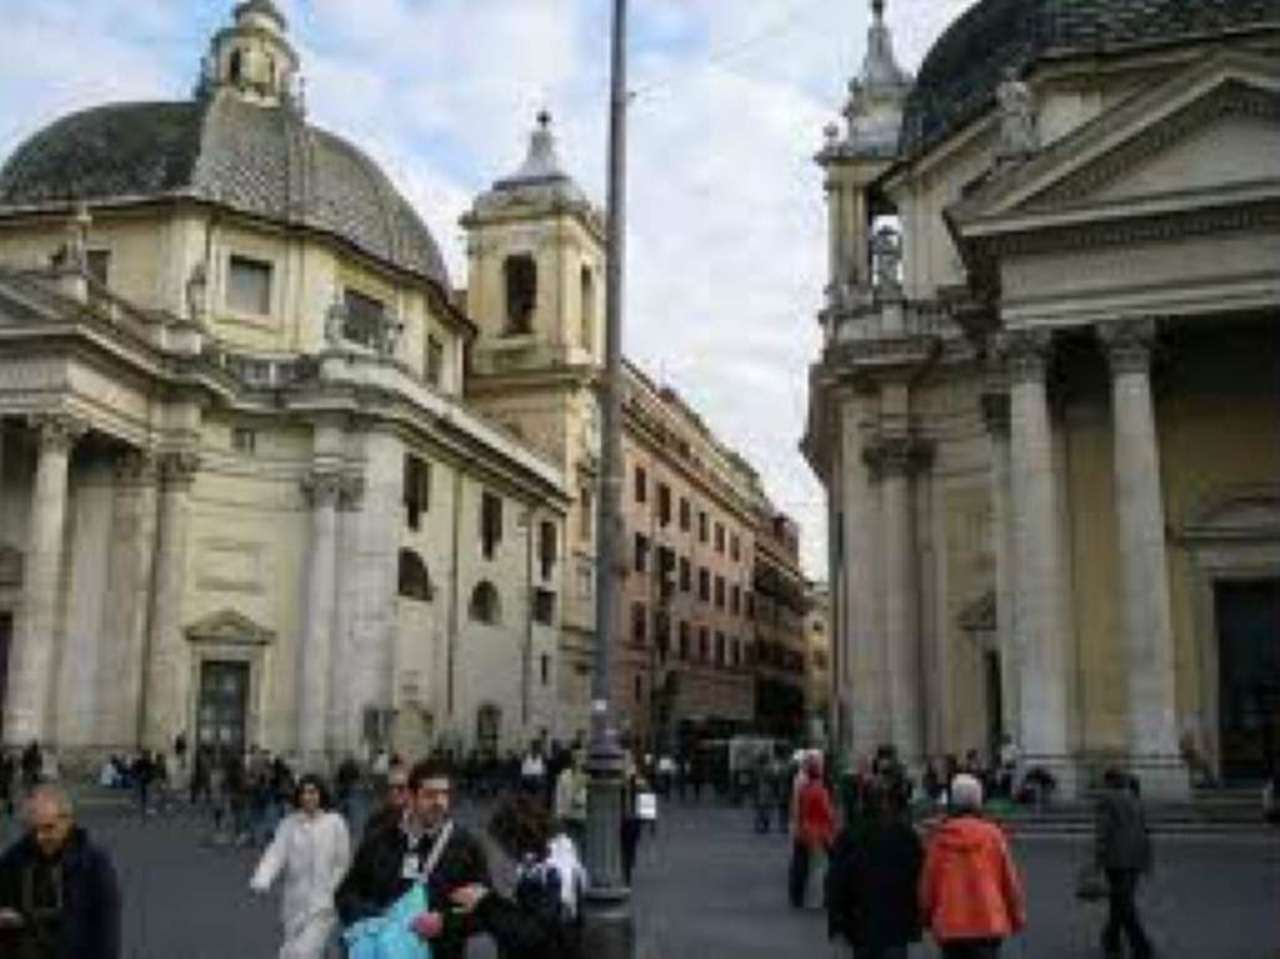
pixel 536 267
pixel 253 59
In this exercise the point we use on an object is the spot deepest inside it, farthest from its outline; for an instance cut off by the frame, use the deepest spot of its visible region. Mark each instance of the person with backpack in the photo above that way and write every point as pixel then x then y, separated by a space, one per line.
pixel 541 920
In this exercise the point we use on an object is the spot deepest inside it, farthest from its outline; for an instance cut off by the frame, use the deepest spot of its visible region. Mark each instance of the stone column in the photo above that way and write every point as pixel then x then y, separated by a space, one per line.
pixel 995 412
pixel 1144 579
pixel 315 650
pixel 165 702
pixel 343 733
pixel 894 460
pixel 133 541
pixel 37 636
pixel 1040 596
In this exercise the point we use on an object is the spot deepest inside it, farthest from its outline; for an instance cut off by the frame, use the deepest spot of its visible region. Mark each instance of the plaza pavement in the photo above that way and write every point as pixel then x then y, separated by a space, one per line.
pixel 708 887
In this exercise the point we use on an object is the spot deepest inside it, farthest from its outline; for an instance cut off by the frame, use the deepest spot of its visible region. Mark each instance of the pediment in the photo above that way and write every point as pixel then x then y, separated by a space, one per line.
pixel 1210 132
pixel 1238 513
pixel 229 627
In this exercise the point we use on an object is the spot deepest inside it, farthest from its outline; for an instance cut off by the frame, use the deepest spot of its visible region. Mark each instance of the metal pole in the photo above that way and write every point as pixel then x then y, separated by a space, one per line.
pixel 608 930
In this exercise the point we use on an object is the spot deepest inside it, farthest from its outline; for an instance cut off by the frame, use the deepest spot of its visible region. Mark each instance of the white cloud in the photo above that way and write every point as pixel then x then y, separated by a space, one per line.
pixel 727 227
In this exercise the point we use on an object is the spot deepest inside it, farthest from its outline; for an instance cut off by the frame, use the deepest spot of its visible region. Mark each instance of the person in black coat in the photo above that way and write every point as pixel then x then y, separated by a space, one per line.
pixel 541 919
pixel 873 878
pixel 1122 849
pixel 395 856
pixel 59 898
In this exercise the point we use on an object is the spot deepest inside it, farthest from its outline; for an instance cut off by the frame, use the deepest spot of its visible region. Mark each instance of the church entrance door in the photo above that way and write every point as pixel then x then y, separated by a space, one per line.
pixel 1248 614
pixel 223 709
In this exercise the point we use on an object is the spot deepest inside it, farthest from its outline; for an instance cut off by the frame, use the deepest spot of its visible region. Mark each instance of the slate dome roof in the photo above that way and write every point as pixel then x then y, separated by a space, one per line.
pixel 960 74
pixel 263 161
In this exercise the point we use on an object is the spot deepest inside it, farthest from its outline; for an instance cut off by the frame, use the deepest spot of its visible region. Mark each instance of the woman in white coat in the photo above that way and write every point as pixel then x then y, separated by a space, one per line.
pixel 313 850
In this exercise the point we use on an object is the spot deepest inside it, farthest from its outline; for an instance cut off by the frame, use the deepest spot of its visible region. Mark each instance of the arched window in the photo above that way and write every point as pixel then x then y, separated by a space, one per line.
pixel 485 607
pixel 588 286
pixel 521 275
pixel 234 68
pixel 488 729
pixel 415 582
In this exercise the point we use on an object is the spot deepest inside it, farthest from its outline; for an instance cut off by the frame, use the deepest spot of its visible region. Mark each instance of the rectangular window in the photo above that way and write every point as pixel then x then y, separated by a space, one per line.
pixel 545 669
pixel 686 574
pixel 719 649
pixel 244 441
pixel 435 361
pixel 586 514
pixel 686 515
pixel 720 537
pixel 702 527
pixel 751 605
pixel 249 286
pixel 719 592
pixel 365 319
pixel 735 650
pixel 735 600
pixel 734 551
pixel 417 490
pixel 639 623
pixel 99 264
pixel 547 548
pixel 664 504
pixel 684 640
pixel 704 584
pixel 642 485
pixel 642 553
pixel 544 607
pixel 490 523
pixel 704 636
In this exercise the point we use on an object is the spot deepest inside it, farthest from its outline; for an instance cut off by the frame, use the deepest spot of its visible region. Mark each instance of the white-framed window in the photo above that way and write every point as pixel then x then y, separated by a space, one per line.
pixel 249 285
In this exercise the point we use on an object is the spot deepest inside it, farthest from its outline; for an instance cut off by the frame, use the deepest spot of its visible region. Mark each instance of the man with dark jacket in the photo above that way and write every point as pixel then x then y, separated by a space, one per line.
pixel 1123 851
pixel 425 846
pixel 872 883
pixel 59 898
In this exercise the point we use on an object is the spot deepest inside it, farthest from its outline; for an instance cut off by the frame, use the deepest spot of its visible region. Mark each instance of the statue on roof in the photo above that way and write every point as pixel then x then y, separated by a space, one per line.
pixel 1018 138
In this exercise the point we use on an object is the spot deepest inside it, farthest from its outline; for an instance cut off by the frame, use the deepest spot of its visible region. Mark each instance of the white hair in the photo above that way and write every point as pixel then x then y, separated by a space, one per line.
pixel 966 793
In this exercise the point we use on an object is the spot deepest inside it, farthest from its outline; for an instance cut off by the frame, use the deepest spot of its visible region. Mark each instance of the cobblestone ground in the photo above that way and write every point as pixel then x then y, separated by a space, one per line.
pixel 708 887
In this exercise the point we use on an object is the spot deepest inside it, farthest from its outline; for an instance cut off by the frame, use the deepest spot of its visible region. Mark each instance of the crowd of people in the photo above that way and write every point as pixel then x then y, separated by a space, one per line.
pixel 402 878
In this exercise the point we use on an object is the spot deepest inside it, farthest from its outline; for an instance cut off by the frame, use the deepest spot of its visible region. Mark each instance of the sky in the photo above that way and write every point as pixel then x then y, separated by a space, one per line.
pixel 726 227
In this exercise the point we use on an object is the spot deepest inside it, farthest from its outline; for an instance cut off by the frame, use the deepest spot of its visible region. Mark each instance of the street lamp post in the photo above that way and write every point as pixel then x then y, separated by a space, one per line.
pixel 608 930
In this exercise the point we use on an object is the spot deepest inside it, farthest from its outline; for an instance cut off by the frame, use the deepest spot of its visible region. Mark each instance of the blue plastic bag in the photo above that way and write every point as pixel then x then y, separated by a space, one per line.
pixel 390 936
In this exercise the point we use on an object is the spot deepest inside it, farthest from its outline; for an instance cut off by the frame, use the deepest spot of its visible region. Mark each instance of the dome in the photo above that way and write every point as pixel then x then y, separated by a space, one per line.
pixel 261 160
pixel 958 79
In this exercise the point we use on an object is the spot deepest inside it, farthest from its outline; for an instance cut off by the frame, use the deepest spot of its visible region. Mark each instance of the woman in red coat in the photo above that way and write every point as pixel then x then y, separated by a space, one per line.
pixel 815 827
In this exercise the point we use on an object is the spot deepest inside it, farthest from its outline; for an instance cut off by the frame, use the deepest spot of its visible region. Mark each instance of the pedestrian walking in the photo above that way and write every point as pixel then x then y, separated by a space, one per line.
pixel 873 882
pixel 814 830
pixel 143 773
pixel 312 851
pixel 541 919
pixel 570 805
pixel 426 848
pixel 970 894
pixel 631 822
pixel 59 897
pixel 764 794
pixel 1123 851
pixel 392 803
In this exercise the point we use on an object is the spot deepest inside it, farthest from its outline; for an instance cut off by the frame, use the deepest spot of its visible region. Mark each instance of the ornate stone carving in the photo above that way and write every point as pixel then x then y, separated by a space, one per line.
pixel 57 431
pixel 351 491
pixel 178 468
pixel 1128 344
pixel 1026 354
pixel 137 468
pixel 886 253
pixel 898 456
pixel 197 294
pixel 1018 136
pixel 322 489
pixel 231 628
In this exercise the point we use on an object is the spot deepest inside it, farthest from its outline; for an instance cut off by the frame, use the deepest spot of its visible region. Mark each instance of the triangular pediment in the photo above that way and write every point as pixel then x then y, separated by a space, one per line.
pixel 229 627
pixel 1209 134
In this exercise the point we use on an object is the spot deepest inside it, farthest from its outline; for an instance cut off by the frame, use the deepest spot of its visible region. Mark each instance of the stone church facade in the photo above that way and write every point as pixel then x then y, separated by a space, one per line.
pixel 241 492
pixel 1047 410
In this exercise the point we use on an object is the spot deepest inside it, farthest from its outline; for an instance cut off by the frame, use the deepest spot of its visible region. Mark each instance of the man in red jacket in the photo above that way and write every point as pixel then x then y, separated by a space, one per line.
pixel 815 827
pixel 970 894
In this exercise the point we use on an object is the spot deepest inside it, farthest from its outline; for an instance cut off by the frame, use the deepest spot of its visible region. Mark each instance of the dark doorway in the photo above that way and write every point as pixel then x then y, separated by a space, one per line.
pixel 1248 677
pixel 6 642
pixel 995 704
pixel 223 709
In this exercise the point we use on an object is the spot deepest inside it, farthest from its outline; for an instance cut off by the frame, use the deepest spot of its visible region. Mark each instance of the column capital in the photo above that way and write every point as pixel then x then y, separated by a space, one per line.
pixel 57 431
pixel 350 491
pixel 322 488
pixel 902 455
pixel 137 468
pixel 1026 354
pixel 1128 344
pixel 178 468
